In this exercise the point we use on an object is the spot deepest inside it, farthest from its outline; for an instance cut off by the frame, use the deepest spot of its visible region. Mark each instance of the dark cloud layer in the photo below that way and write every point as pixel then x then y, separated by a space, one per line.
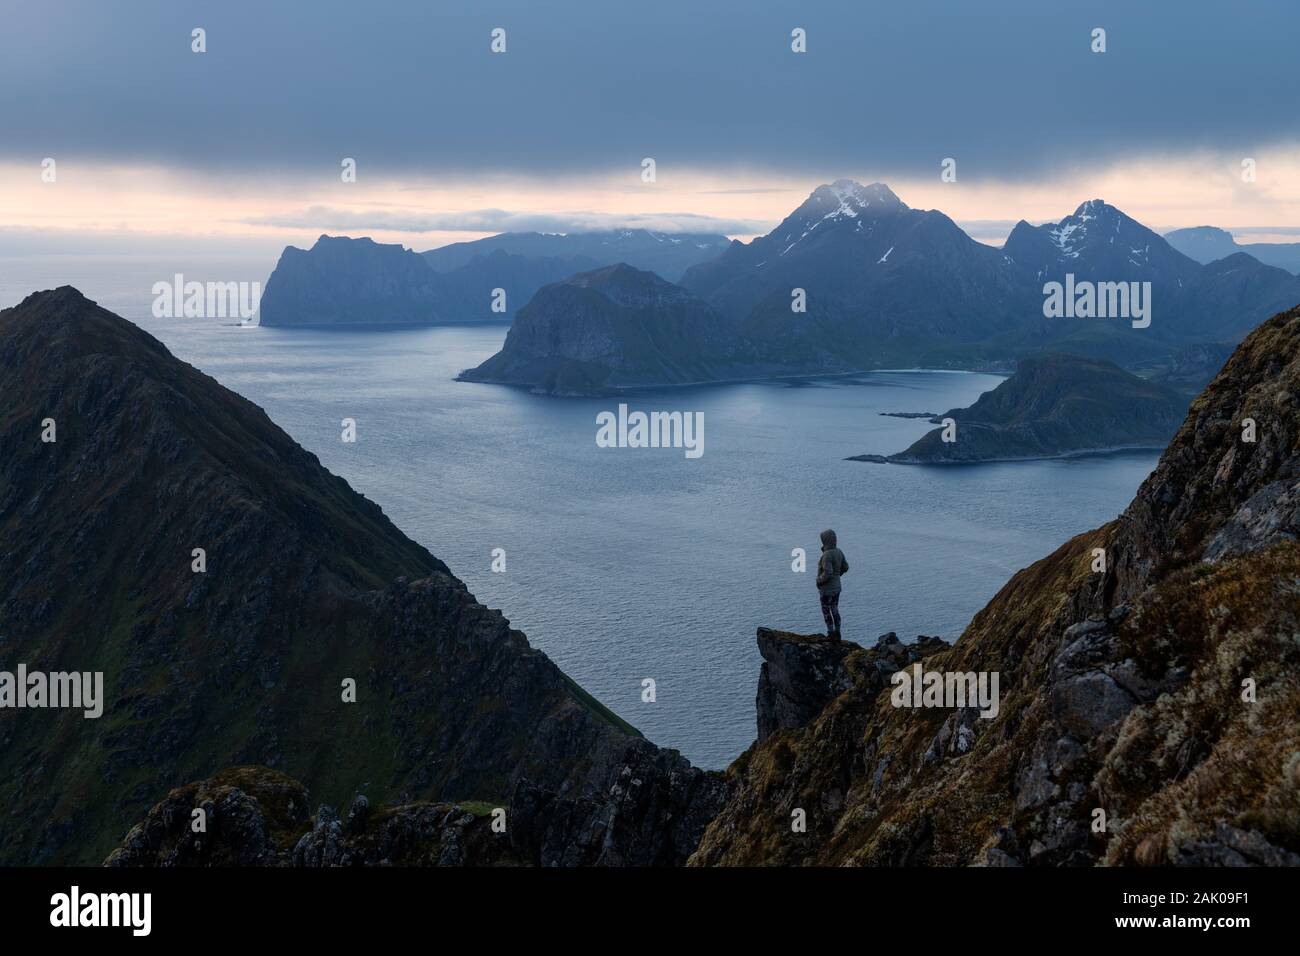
pixel 1010 88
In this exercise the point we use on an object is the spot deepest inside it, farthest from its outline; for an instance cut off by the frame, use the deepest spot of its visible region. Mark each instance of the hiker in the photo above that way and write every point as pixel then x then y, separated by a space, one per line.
pixel 829 568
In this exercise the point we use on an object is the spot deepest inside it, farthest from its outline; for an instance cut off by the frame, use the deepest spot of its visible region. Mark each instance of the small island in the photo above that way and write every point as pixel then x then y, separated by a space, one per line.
pixel 1054 406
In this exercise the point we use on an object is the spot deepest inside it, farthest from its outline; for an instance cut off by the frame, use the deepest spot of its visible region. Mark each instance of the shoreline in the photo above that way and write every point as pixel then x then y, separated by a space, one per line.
pixel 1059 456
pixel 614 390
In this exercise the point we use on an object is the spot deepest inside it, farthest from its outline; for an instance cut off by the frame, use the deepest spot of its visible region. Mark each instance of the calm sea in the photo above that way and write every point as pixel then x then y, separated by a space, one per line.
pixel 626 564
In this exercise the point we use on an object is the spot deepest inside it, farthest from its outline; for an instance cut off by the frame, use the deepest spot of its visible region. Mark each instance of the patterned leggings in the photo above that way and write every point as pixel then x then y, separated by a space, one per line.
pixel 831 611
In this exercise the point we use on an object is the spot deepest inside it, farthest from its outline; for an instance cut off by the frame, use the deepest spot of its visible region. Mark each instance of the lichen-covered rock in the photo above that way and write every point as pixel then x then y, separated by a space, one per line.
pixel 258 817
pixel 800 675
pixel 653 814
pixel 245 816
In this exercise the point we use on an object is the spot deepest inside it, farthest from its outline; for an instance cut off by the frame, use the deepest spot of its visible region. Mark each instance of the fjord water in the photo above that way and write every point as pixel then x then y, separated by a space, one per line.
pixel 627 564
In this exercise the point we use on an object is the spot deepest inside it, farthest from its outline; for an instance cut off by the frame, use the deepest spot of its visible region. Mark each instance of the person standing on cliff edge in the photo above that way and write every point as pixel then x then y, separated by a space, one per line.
pixel 829 568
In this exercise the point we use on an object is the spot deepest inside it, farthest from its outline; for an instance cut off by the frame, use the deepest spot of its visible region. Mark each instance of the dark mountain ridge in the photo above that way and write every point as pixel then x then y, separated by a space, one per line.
pixel 307 584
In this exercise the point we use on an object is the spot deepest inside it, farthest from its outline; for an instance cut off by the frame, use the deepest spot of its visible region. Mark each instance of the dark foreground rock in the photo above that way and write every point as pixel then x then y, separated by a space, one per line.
pixel 255 816
pixel 800 675
pixel 653 814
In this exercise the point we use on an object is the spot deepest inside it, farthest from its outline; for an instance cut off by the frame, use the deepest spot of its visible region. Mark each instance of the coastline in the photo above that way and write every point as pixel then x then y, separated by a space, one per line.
pixel 748 379
pixel 1059 456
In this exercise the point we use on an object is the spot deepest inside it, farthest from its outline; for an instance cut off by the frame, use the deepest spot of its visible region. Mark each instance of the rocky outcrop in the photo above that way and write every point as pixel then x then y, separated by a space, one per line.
pixel 315 638
pixel 353 282
pixel 653 814
pixel 255 816
pixel 1149 708
pixel 800 675
pixel 246 816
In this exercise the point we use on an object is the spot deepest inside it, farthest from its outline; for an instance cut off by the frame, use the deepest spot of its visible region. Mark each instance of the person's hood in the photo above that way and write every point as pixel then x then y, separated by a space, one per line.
pixel 828 539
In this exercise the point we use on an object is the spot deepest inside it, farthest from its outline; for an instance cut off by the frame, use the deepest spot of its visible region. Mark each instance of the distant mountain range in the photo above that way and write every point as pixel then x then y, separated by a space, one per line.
pixel 666 254
pixel 1207 243
pixel 855 279
pixel 1053 406
pixel 359 282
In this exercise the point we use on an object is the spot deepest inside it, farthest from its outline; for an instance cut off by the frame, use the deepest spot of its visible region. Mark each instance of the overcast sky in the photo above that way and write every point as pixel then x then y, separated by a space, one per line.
pixel 739 125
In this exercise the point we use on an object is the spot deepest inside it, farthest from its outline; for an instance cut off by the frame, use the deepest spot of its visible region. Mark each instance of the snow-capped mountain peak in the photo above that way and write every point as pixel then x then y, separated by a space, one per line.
pixel 831 206
pixel 846 199
pixel 1092 219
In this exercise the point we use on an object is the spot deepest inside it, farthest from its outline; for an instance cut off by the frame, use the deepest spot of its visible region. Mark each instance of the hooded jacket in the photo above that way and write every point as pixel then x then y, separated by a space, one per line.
pixel 831 565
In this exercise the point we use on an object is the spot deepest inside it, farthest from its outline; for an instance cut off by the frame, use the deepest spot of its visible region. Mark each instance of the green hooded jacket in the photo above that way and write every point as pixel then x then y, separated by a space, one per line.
pixel 831 565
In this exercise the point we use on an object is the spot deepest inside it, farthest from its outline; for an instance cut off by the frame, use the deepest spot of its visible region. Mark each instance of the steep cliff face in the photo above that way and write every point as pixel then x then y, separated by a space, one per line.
pixel 800 675
pixel 341 281
pixel 306 584
pixel 1149 713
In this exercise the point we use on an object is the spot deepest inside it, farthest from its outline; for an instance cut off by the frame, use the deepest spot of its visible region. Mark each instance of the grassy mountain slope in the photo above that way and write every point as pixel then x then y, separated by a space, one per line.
pixel 1163 691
